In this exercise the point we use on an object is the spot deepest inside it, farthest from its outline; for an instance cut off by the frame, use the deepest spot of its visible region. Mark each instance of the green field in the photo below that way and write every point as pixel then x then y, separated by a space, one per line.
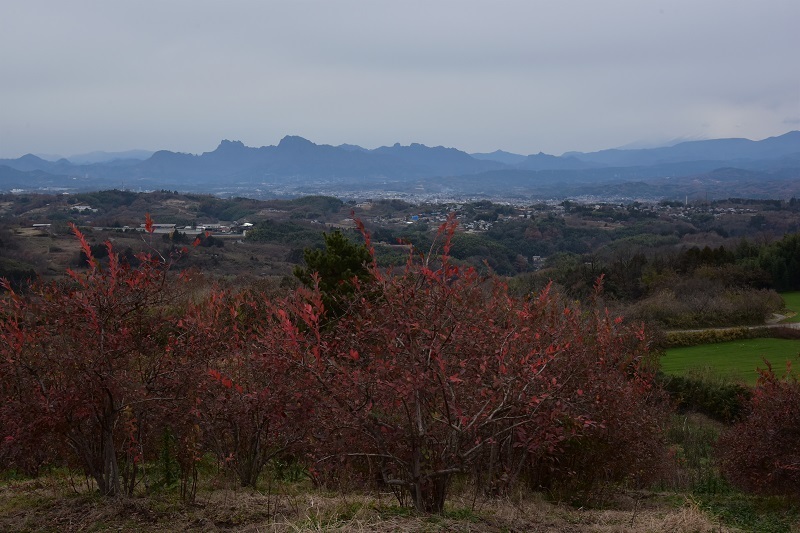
pixel 792 300
pixel 737 359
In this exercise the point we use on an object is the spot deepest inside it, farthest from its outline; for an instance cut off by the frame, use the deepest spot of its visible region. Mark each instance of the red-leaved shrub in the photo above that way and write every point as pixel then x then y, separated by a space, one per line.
pixel 762 452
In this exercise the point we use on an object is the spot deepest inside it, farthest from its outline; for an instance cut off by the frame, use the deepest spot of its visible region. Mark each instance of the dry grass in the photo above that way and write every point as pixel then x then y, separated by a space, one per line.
pixel 56 504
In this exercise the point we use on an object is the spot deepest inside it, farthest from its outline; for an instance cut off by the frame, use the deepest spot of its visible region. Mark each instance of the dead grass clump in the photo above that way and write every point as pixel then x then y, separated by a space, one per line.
pixel 664 520
pixel 51 506
pixel 688 518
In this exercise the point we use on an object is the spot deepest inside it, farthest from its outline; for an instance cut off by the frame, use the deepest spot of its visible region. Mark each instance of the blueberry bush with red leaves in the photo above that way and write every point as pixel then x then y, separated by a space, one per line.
pixel 426 373
pixel 609 372
pixel 250 402
pixel 90 359
pixel 445 373
pixel 762 452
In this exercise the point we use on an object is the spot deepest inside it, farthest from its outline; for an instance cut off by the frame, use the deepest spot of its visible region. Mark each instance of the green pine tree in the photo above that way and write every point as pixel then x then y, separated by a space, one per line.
pixel 338 265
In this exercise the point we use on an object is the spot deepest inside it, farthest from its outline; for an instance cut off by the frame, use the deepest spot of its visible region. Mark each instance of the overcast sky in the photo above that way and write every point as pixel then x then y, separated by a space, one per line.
pixel 523 76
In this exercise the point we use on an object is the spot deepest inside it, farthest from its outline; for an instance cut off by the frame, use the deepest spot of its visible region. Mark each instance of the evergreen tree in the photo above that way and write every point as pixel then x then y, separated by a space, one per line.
pixel 341 265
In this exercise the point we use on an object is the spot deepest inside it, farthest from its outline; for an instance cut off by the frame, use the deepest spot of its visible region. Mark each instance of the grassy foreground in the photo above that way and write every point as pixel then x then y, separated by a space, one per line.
pixel 735 360
pixel 55 504
pixel 689 496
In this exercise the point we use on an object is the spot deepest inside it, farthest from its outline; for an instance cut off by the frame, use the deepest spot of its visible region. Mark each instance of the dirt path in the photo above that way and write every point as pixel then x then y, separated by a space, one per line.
pixel 774 322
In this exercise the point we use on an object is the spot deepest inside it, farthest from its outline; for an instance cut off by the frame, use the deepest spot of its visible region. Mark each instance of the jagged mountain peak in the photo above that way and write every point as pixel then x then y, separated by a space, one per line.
pixel 295 141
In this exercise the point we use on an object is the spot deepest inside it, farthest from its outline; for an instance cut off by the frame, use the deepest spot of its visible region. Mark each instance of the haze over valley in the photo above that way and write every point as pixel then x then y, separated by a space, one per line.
pixel 709 169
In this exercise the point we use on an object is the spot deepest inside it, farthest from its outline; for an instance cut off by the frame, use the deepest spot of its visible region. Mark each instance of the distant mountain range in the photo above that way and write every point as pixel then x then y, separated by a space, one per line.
pixel 720 167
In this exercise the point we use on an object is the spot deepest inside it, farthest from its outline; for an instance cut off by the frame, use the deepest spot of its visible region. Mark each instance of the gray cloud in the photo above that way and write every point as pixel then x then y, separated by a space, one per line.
pixel 519 75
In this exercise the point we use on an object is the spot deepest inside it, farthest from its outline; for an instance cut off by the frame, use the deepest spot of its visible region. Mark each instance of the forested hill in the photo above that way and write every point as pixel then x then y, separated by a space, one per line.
pixel 699 248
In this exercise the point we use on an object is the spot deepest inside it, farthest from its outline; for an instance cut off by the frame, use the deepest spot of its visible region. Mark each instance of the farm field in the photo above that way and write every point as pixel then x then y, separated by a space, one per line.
pixel 792 300
pixel 737 360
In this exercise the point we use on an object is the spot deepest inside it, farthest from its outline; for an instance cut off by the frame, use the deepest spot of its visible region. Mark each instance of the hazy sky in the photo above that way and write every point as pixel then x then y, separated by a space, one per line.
pixel 520 75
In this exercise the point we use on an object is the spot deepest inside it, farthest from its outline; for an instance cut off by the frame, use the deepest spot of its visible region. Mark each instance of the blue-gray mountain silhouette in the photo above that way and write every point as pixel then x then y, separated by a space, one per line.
pixel 299 163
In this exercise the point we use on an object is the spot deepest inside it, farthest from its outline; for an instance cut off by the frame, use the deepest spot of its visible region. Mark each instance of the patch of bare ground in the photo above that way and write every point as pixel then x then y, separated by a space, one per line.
pixel 41 250
pixel 56 505
pixel 182 206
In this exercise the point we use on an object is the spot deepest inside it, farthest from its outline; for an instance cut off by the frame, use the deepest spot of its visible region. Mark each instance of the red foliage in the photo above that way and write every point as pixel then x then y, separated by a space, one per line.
pixel 762 452
pixel 90 357
pixel 443 372
pixel 249 404
pixel 429 372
